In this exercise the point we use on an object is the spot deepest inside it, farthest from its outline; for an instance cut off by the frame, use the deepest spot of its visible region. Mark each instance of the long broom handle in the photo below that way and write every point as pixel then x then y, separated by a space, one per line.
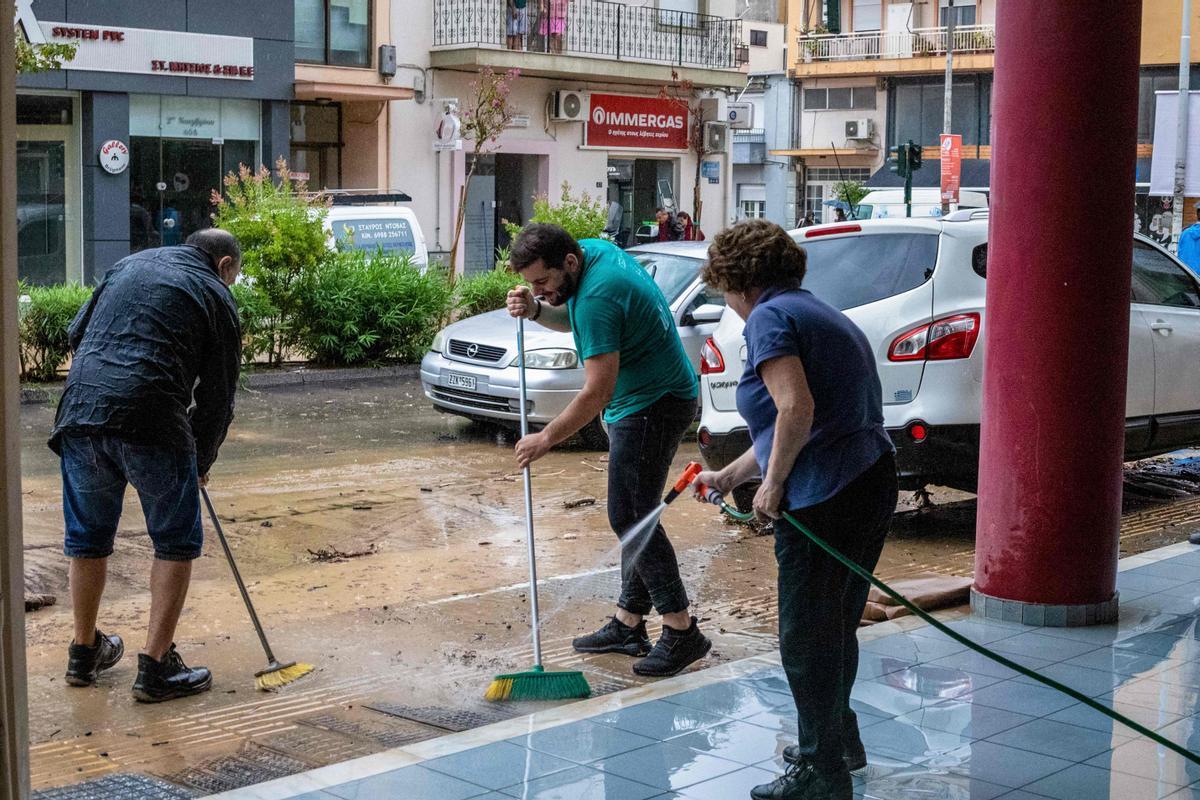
pixel 237 576
pixel 533 587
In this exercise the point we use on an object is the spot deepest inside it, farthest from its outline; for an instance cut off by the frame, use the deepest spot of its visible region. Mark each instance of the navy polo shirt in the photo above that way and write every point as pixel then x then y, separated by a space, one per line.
pixel 847 432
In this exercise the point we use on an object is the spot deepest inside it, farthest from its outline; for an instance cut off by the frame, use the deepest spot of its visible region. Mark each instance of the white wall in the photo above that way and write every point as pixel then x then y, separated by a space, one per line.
pixel 771 57
pixel 818 129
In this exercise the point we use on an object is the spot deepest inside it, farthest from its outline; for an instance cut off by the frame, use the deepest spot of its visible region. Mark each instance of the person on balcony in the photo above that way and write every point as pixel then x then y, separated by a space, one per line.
pixel 518 24
pixel 552 15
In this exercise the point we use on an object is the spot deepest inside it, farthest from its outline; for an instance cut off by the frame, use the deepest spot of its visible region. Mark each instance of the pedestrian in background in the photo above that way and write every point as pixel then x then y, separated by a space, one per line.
pixel 612 226
pixel 691 232
pixel 669 228
pixel 517 23
pixel 1189 243
pixel 809 219
pixel 637 374
pixel 812 401
pixel 148 400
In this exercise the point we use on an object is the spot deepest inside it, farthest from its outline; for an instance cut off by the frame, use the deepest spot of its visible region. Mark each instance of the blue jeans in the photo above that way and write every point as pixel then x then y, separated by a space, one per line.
pixel 641 448
pixel 821 603
pixel 95 471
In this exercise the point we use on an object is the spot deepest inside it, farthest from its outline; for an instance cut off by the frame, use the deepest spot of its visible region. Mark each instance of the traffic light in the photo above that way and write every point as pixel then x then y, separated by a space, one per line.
pixel 914 156
pixel 900 160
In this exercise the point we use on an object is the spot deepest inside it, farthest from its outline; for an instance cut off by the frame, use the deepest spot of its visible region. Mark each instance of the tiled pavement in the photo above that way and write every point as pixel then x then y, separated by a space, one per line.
pixel 938 721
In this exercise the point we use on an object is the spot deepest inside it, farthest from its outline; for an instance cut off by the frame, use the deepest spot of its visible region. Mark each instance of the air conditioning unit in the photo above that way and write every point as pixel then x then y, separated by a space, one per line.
pixel 569 106
pixel 860 128
pixel 716 137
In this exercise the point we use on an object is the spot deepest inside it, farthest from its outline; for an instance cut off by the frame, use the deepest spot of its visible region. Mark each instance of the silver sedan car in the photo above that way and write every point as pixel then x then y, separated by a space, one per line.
pixel 471 368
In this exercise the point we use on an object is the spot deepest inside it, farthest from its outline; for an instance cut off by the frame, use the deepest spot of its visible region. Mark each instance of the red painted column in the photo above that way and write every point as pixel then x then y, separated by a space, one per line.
pixel 1057 320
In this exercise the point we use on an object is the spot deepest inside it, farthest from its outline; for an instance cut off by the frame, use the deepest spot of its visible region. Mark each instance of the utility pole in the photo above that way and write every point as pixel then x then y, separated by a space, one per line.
pixel 949 91
pixel 1181 125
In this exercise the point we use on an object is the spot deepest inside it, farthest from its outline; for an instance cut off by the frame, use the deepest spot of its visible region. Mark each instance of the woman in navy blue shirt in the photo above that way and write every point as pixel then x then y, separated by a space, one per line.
pixel 811 398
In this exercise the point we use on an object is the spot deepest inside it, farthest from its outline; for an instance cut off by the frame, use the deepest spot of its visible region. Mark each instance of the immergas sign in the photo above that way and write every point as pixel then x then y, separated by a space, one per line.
pixel 621 120
pixel 103 48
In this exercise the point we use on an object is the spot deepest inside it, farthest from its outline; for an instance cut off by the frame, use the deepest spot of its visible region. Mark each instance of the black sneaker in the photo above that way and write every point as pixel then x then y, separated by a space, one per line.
pixel 615 637
pixel 85 663
pixel 168 679
pixel 854 755
pixel 803 781
pixel 674 652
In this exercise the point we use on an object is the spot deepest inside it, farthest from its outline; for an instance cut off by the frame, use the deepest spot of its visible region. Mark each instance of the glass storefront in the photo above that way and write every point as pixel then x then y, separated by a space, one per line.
pixel 641 185
pixel 317 144
pixel 181 148
pixel 49 194
pixel 334 32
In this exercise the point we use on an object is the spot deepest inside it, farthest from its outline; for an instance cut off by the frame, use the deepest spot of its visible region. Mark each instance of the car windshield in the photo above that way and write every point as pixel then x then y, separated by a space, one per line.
pixel 672 273
pixel 852 271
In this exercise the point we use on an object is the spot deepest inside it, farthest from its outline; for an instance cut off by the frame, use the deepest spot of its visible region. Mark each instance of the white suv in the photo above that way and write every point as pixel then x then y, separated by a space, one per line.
pixel 916 288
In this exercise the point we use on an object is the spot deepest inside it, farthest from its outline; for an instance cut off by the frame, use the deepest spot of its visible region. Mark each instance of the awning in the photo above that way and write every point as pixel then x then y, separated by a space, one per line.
pixel 976 174
pixel 350 93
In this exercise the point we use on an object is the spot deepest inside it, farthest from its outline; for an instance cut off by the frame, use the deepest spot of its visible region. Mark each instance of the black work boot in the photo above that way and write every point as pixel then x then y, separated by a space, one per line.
pixel 674 651
pixel 854 755
pixel 85 663
pixel 615 637
pixel 168 679
pixel 803 781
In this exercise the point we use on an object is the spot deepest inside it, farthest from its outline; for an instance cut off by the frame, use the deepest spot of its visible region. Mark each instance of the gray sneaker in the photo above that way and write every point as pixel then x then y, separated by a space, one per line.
pixel 615 637
pixel 85 663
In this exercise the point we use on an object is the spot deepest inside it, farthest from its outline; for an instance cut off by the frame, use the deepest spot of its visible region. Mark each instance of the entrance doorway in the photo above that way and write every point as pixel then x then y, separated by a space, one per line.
pixel 640 185
pixel 501 190
pixel 171 184
pixel 49 195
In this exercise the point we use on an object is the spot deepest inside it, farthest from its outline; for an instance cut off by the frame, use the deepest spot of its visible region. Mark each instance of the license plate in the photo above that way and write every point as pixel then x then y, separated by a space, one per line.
pixel 460 381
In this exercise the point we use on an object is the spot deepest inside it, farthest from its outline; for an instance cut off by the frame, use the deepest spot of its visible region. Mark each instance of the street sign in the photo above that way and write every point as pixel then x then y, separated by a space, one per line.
pixel 951 156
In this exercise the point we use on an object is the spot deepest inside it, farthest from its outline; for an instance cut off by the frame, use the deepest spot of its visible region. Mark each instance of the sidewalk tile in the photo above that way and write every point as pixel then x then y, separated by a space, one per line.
pixel 1171 568
pixel 970 661
pixel 1087 717
pixel 581 783
pixel 977 630
pixel 921 786
pixel 1131 579
pixel 660 720
pixel 1082 781
pixel 667 766
pixel 498 765
pixel 1057 739
pixel 582 742
pixel 737 741
pixel 1006 766
pixel 1038 645
pixel 734 785
pixel 873 665
pixel 917 649
pixel 733 700
pixel 1145 759
pixel 411 783
pixel 1124 662
pixel 897 740
pixel 1162 645
pixel 965 719
pixel 1024 698
pixel 1091 682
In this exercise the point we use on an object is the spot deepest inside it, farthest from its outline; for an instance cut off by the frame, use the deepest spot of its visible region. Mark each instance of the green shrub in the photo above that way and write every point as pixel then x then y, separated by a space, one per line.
pixel 260 322
pixel 486 291
pixel 361 308
pixel 582 217
pixel 281 231
pixel 42 330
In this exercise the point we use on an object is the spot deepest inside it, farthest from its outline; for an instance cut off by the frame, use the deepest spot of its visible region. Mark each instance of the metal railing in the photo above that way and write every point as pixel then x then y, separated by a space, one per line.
pixel 896 44
pixel 596 28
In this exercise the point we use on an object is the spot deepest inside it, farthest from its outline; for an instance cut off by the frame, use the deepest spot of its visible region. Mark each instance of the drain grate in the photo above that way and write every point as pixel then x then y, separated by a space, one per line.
pixel 320 747
pixel 120 785
pixel 253 764
pixel 385 732
pixel 603 687
pixel 450 719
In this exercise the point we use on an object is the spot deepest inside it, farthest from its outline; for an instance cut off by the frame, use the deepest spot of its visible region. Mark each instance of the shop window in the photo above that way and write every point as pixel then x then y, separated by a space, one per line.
pixel 839 99
pixel 334 32
pixel 867 15
pixel 963 14
pixel 753 209
pixel 317 144
pixel 758 38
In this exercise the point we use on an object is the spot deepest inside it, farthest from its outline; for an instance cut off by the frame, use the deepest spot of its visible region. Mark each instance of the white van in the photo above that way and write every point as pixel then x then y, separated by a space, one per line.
pixel 368 227
pixel 889 203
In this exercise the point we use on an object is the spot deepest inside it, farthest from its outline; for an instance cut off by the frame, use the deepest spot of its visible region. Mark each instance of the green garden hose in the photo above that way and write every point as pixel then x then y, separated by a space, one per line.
pixel 713 496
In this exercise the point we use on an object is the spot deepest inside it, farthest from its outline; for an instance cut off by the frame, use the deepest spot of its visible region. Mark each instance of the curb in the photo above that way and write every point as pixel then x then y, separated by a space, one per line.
pixel 35 395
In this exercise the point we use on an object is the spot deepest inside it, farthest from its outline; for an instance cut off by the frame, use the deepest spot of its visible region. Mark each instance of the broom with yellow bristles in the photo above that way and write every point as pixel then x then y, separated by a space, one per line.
pixel 276 674
pixel 535 684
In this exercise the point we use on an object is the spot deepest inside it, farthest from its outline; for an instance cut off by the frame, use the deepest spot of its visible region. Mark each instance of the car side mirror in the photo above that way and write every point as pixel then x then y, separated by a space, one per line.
pixel 709 312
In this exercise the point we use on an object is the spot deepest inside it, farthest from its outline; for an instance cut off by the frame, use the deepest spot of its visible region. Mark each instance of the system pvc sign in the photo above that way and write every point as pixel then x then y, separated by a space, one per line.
pixel 635 121
pixel 102 48
pixel 951 166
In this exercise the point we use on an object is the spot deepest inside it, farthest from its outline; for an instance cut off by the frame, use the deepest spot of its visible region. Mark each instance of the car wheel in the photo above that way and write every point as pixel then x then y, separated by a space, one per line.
pixel 594 435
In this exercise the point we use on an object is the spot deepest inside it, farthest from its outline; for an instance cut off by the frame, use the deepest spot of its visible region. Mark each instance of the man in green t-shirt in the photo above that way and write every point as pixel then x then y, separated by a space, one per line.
pixel 639 377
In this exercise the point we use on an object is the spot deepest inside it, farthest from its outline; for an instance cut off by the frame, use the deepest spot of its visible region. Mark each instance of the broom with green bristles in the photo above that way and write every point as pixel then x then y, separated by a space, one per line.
pixel 536 684
pixel 275 674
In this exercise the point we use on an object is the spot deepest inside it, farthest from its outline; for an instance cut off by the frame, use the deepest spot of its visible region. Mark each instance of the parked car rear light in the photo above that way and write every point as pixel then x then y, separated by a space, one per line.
pixel 940 340
pixel 711 360
pixel 831 230
pixel 704 437
pixel 918 431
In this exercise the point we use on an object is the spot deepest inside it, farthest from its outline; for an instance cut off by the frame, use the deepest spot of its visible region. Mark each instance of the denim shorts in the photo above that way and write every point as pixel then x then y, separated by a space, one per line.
pixel 95 471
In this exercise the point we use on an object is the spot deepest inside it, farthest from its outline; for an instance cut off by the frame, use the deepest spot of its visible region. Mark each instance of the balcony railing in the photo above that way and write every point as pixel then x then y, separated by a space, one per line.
pixel 897 44
pixel 750 146
pixel 595 28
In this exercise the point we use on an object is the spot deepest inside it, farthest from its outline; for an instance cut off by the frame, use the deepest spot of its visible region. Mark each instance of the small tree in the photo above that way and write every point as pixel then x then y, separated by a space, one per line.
pixel 483 122
pixel 41 57
pixel 682 95
pixel 850 192
pixel 582 217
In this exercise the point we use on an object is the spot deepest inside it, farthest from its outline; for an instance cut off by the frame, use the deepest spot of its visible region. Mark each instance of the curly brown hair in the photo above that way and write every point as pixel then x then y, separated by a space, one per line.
pixel 754 254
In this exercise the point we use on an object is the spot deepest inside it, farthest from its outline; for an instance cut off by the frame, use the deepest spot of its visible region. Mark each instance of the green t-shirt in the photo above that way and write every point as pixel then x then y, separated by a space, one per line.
pixel 619 308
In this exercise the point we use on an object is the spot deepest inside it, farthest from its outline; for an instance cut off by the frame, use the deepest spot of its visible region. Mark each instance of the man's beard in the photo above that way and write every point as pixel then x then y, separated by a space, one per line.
pixel 570 285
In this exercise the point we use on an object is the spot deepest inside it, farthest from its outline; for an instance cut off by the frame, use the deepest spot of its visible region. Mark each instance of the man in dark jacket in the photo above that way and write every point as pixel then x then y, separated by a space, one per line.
pixel 148 401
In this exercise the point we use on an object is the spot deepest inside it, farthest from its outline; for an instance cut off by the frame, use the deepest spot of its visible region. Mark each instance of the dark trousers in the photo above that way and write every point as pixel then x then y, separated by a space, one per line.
pixel 821 603
pixel 640 451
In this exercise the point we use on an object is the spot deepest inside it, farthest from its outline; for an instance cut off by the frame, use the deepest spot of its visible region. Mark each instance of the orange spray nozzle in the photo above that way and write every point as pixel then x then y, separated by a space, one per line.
pixel 688 476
